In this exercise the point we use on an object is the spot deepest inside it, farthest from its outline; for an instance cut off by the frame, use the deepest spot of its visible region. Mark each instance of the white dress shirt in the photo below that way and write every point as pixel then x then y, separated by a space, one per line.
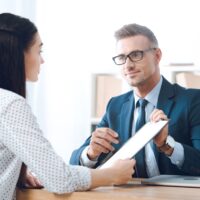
pixel 21 140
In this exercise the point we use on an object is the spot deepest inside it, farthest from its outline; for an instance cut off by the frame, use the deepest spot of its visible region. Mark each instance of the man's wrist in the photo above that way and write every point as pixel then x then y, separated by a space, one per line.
pixel 168 147
pixel 85 161
pixel 92 158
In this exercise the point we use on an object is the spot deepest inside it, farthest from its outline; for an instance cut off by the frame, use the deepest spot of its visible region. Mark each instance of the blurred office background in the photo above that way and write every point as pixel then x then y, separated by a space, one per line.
pixel 78 41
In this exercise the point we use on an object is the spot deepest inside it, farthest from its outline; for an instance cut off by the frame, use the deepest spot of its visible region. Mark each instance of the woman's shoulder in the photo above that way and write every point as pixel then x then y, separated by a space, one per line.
pixel 7 97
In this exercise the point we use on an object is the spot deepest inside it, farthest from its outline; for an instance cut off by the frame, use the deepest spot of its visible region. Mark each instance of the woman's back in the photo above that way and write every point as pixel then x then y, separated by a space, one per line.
pixel 20 133
pixel 10 165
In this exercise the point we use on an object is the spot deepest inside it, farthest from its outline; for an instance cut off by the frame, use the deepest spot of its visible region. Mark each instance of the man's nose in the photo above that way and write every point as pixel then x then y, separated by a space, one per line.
pixel 129 63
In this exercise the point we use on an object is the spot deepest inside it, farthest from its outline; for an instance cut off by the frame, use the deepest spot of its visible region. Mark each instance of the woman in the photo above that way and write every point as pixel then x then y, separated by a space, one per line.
pixel 21 139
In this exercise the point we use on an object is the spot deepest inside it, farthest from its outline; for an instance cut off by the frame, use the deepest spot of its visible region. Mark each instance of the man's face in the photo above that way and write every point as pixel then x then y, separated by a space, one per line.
pixel 140 72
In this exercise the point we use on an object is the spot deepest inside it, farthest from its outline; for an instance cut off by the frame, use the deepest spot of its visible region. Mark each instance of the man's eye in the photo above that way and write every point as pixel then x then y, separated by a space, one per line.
pixel 135 54
pixel 121 57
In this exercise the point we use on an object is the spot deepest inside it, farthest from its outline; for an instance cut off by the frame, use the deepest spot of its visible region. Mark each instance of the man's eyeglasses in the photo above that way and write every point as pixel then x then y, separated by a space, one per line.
pixel 134 56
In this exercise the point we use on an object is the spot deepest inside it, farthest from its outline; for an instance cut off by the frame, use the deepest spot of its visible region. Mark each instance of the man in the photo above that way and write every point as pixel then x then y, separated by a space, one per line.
pixel 176 149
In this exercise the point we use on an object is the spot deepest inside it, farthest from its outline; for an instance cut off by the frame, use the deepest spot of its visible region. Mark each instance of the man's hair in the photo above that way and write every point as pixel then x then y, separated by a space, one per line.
pixel 130 30
pixel 17 35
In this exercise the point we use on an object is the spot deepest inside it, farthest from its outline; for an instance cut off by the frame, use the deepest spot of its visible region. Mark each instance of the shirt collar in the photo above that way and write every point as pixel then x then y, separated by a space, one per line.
pixel 152 96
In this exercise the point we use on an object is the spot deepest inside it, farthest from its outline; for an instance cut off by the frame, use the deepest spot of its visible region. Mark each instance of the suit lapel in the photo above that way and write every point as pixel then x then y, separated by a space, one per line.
pixel 166 97
pixel 165 103
pixel 126 119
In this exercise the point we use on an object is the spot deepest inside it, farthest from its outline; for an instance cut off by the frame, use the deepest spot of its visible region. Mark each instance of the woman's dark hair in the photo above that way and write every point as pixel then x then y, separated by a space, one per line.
pixel 17 34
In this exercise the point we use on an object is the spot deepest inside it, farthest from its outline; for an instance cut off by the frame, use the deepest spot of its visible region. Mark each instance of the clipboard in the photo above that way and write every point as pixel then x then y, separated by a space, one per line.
pixel 136 142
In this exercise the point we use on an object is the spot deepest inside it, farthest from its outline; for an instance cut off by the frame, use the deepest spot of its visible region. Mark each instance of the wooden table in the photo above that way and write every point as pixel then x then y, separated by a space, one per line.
pixel 131 191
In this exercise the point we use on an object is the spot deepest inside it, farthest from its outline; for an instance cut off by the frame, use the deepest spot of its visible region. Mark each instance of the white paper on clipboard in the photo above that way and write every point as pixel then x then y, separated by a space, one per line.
pixel 136 142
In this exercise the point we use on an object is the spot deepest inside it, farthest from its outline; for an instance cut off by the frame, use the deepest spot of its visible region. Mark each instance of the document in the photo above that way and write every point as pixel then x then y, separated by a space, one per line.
pixel 136 142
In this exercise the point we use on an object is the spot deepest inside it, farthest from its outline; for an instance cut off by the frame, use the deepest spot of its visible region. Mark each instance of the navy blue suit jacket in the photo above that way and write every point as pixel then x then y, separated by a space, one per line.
pixel 182 106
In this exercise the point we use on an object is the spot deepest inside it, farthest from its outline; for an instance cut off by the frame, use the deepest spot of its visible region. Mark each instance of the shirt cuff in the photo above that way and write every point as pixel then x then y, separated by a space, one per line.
pixel 85 161
pixel 177 156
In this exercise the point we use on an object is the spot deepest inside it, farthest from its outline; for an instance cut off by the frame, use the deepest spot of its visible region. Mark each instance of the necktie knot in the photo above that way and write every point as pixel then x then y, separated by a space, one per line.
pixel 142 103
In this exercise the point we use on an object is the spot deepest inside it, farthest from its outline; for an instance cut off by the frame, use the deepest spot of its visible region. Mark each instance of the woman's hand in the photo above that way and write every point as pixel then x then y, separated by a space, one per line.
pixel 120 172
pixel 31 181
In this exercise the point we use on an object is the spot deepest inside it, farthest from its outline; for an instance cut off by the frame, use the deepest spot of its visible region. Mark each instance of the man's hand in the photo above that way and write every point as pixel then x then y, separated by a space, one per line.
pixel 101 142
pixel 155 116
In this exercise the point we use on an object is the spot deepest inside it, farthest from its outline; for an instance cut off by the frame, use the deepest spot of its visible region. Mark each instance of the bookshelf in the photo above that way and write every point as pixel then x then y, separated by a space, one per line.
pixel 104 86
pixel 169 72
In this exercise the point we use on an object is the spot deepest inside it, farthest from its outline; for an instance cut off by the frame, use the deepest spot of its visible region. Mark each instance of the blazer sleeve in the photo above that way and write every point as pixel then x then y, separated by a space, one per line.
pixel 191 163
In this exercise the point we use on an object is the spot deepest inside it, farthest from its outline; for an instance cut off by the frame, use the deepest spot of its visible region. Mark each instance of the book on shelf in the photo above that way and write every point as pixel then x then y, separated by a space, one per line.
pixel 188 79
pixel 107 86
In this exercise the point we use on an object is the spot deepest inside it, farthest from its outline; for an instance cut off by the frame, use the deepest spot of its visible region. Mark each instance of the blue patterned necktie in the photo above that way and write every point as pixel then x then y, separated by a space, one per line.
pixel 140 156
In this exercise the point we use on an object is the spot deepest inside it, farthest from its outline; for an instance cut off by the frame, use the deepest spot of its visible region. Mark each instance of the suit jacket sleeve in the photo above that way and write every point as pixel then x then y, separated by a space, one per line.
pixel 191 163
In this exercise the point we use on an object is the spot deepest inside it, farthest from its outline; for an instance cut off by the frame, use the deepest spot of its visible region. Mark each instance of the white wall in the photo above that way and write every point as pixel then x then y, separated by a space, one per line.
pixel 78 40
pixel 20 7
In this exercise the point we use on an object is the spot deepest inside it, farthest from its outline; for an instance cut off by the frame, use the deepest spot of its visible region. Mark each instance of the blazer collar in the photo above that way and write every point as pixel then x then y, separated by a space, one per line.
pixel 166 97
